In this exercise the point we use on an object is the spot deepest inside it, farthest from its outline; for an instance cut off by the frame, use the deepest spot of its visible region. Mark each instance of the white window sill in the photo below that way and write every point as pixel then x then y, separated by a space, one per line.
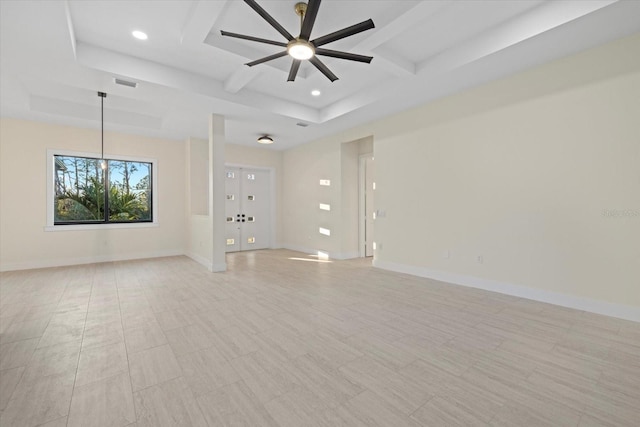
pixel 80 227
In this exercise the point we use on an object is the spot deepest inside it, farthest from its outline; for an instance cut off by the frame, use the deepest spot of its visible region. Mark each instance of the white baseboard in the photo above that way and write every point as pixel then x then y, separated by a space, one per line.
pixel 299 248
pixel 63 262
pixel 580 303
pixel 218 268
pixel 200 260
pixel 345 255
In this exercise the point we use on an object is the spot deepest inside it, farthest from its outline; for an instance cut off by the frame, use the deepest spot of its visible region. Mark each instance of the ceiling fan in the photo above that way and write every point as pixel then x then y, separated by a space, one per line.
pixel 302 48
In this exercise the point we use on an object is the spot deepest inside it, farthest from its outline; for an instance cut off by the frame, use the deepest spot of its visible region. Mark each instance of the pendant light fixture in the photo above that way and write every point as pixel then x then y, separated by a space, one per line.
pixel 103 162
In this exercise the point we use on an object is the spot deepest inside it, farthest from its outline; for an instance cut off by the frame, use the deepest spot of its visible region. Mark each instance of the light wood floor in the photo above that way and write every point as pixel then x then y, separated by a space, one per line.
pixel 278 341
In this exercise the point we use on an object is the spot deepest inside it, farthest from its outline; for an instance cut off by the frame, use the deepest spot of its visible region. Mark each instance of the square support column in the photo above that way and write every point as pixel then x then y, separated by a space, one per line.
pixel 217 197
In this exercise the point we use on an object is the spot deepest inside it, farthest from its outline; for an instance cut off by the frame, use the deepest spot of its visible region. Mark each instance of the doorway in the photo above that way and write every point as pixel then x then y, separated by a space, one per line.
pixel 367 186
pixel 247 209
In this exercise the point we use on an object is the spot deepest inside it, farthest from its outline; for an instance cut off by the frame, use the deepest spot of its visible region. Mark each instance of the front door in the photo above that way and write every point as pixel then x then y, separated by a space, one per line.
pixel 247 209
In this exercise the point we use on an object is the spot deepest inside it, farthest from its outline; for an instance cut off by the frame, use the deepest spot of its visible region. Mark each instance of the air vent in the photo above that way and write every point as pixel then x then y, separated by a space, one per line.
pixel 302 125
pixel 125 82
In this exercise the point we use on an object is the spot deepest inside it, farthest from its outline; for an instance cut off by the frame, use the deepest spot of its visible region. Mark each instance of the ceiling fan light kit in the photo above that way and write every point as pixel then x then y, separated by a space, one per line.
pixel 302 48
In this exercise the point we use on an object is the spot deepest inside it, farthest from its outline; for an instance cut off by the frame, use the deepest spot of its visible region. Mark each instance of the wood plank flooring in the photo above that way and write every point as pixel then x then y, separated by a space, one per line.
pixel 283 339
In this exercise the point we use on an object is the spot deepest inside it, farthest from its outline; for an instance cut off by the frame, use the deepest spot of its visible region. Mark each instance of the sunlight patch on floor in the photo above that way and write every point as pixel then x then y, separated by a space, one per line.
pixel 312 260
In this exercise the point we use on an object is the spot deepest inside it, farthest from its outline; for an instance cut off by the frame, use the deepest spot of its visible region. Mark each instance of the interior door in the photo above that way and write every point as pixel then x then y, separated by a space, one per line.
pixel 248 209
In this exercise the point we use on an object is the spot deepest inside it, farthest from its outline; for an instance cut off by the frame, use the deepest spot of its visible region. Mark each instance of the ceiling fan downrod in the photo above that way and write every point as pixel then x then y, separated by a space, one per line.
pixel 301 10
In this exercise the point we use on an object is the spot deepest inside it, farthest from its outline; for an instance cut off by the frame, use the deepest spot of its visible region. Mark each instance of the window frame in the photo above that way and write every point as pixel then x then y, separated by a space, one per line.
pixel 98 225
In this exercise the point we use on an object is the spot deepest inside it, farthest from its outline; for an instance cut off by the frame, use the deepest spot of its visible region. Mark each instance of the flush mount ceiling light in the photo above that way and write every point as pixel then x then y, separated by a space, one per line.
pixel 265 140
pixel 139 35
pixel 303 48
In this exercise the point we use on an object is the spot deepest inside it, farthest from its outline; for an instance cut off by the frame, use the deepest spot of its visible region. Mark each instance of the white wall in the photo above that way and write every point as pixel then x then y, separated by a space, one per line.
pixel 199 227
pixel 518 171
pixel 23 182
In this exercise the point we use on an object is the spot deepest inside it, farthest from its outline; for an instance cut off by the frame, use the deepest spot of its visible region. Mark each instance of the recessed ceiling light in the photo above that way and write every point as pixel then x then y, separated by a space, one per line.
pixel 315 92
pixel 265 140
pixel 139 35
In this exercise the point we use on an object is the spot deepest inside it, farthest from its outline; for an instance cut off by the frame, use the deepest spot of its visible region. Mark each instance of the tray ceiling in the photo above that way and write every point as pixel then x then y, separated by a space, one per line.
pixel 57 54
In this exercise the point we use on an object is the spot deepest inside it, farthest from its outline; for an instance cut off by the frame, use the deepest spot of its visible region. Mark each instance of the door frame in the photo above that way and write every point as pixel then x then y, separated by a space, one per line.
pixel 272 197
pixel 362 188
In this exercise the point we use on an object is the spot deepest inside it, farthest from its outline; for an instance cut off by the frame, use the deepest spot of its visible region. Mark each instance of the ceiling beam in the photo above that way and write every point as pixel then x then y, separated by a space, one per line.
pixel 240 78
pixel 144 70
pixel 421 12
pixel 72 32
pixel 393 63
pixel 543 18
pixel 202 18
pixel 384 58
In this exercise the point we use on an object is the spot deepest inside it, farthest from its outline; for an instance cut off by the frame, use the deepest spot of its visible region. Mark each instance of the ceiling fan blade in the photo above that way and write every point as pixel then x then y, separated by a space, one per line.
pixel 267 58
pixel 309 19
pixel 295 66
pixel 345 32
pixel 323 68
pixel 275 24
pixel 343 55
pixel 251 38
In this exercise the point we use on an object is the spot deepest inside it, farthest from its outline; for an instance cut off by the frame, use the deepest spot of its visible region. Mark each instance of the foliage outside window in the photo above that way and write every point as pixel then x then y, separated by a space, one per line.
pixel 85 193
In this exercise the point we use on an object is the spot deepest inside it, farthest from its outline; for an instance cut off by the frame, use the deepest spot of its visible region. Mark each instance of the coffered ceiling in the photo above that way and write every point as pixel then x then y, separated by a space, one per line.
pixel 55 55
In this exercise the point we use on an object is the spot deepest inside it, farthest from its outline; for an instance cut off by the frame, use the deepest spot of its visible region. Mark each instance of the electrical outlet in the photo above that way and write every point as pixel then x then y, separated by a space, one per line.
pixel 480 259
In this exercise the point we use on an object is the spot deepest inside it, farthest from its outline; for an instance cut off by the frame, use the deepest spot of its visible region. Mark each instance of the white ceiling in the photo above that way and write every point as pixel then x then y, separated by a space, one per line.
pixel 55 55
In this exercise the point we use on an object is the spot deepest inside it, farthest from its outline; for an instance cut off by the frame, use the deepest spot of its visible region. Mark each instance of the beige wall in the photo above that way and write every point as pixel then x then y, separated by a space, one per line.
pixel 304 167
pixel 23 182
pixel 518 171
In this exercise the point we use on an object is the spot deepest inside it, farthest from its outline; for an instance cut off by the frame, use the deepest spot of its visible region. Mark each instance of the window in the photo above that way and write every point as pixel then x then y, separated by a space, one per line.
pixel 87 193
